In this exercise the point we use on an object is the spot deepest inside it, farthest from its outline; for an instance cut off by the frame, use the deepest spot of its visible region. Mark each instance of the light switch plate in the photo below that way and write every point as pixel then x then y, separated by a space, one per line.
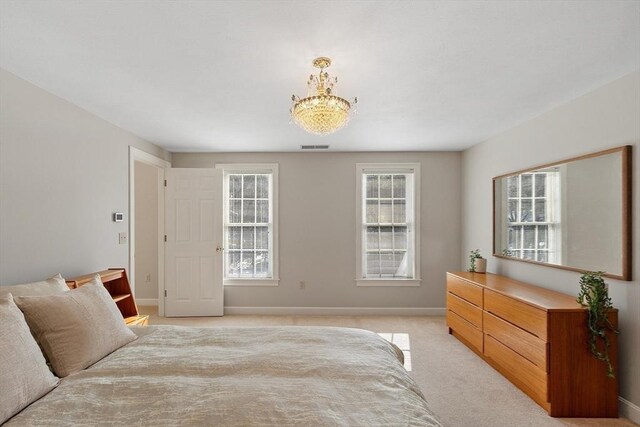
pixel 122 238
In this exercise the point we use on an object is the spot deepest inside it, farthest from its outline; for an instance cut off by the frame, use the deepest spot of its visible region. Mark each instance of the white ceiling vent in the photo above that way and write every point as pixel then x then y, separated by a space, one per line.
pixel 314 147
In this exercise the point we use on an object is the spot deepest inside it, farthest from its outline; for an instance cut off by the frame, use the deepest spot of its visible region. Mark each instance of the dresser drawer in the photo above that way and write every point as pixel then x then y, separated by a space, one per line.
pixel 519 370
pixel 525 316
pixel 465 290
pixel 527 345
pixel 465 330
pixel 466 310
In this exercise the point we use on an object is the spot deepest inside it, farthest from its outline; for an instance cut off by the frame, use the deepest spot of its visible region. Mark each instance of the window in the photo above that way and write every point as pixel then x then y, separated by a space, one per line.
pixel 534 216
pixel 250 224
pixel 388 218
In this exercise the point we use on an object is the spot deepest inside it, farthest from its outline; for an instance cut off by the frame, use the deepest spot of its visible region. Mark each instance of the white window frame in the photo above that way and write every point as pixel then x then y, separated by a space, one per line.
pixel 413 168
pixel 270 168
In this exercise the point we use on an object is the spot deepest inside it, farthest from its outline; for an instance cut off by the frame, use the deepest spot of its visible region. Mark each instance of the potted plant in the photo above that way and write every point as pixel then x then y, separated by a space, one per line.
pixel 477 264
pixel 595 297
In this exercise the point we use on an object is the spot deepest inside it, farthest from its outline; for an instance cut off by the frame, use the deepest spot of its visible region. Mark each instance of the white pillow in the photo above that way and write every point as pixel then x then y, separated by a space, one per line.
pixel 77 328
pixel 24 375
pixel 52 286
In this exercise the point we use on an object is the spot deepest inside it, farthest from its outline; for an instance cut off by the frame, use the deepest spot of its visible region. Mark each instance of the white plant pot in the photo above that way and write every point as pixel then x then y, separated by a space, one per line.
pixel 481 265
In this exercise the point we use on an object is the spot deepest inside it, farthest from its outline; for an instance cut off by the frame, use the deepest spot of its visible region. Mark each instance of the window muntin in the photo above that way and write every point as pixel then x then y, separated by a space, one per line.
pixel 533 216
pixel 387 228
pixel 248 225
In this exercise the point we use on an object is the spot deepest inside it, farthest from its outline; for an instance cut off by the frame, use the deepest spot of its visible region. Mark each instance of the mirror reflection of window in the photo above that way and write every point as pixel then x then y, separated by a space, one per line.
pixel 534 219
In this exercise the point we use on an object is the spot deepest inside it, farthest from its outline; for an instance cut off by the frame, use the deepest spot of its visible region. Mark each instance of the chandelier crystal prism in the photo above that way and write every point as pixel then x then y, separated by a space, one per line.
pixel 321 112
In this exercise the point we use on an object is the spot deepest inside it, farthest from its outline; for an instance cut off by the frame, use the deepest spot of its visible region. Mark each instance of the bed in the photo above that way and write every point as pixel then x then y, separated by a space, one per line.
pixel 279 376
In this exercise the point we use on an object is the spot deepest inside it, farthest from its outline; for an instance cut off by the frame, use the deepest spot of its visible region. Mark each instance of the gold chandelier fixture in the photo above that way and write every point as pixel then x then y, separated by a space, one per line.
pixel 321 112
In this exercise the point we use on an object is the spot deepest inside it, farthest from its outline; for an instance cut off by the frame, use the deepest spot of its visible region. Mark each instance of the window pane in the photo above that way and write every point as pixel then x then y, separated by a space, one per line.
pixel 262 184
pixel 514 237
pixel 401 264
pixel 248 238
pixel 525 211
pixel 372 186
pixel 540 184
pixel 262 211
pixel 233 264
pixel 386 238
pixel 526 185
pixel 543 231
pixel 399 211
pixel 400 236
pixel 235 207
pixel 385 186
pixel 388 264
pixel 399 186
pixel 385 211
pixel 262 264
pixel 513 210
pixel 262 237
pixel 543 256
pixel 541 213
pixel 529 237
pixel 234 237
pixel 248 211
pixel 512 186
pixel 372 211
pixel 529 255
pixel 249 186
pixel 373 265
pixel 235 186
pixel 372 238
pixel 246 269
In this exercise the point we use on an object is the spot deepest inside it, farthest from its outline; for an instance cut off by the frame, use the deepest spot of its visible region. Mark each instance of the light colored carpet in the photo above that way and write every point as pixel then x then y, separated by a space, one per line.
pixel 461 389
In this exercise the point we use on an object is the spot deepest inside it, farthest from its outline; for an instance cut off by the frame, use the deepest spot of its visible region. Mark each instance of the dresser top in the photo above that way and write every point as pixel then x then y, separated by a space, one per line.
pixel 542 298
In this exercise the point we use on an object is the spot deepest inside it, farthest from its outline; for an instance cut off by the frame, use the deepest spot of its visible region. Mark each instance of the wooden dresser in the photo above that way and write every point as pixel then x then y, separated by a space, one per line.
pixel 536 338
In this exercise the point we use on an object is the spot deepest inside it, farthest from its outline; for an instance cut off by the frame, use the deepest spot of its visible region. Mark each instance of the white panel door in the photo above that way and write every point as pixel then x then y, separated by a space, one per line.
pixel 193 260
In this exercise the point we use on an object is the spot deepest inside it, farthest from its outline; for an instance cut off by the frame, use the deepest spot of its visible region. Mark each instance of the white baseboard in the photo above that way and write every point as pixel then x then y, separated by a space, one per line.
pixel 339 311
pixel 629 410
pixel 147 301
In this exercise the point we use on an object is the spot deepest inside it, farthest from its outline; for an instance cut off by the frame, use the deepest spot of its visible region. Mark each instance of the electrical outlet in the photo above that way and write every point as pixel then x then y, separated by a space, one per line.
pixel 122 238
pixel 303 284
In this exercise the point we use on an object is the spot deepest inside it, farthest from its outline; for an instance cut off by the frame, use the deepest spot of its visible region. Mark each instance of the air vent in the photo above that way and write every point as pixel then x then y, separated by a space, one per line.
pixel 314 147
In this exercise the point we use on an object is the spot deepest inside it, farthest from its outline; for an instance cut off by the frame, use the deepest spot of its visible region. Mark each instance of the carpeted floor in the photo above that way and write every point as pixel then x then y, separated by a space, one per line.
pixel 461 389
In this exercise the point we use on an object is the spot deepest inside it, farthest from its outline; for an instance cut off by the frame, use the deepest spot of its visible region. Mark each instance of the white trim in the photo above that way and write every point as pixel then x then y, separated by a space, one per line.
pixel 137 155
pixel 147 301
pixel 395 167
pixel 388 282
pixel 338 311
pixel 273 169
pixel 251 282
pixel 627 409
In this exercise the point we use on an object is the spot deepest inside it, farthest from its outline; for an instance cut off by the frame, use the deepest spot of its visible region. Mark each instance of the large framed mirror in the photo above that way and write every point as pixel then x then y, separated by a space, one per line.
pixel 574 214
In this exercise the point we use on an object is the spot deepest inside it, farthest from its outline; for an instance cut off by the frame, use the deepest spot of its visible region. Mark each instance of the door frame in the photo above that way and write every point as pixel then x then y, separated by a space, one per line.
pixel 137 155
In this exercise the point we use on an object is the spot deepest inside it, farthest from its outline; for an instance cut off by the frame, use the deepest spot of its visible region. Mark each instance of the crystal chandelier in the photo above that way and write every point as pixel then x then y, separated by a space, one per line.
pixel 321 112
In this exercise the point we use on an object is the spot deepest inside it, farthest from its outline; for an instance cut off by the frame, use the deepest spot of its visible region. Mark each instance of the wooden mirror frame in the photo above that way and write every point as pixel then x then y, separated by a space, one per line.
pixel 626 211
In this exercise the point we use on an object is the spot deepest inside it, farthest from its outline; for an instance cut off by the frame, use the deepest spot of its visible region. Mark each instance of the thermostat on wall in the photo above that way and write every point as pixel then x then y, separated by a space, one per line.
pixel 118 217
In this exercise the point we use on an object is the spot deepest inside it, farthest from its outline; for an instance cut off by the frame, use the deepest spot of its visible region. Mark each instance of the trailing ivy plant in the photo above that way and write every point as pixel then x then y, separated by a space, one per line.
pixel 595 297
pixel 473 256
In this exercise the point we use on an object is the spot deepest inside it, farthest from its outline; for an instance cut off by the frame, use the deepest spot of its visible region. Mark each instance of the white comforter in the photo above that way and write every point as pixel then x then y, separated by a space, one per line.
pixel 278 376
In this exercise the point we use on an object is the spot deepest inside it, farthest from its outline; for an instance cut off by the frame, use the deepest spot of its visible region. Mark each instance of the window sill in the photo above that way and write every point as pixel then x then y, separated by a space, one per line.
pixel 389 282
pixel 251 282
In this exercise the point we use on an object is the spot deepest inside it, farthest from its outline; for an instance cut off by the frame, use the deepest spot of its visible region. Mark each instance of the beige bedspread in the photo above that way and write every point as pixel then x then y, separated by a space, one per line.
pixel 278 376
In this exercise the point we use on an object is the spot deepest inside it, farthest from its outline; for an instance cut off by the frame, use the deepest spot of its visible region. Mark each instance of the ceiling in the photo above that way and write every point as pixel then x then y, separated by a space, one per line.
pixel 219 75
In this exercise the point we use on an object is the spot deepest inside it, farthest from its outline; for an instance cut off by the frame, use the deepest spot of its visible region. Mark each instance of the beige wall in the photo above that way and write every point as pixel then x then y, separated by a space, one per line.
pixel 146 230
pixel 63 172
pixel 318 229
pixel 605 118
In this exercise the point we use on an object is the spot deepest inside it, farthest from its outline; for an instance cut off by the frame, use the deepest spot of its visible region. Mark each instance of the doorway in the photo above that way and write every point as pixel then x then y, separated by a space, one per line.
pixel 146 227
